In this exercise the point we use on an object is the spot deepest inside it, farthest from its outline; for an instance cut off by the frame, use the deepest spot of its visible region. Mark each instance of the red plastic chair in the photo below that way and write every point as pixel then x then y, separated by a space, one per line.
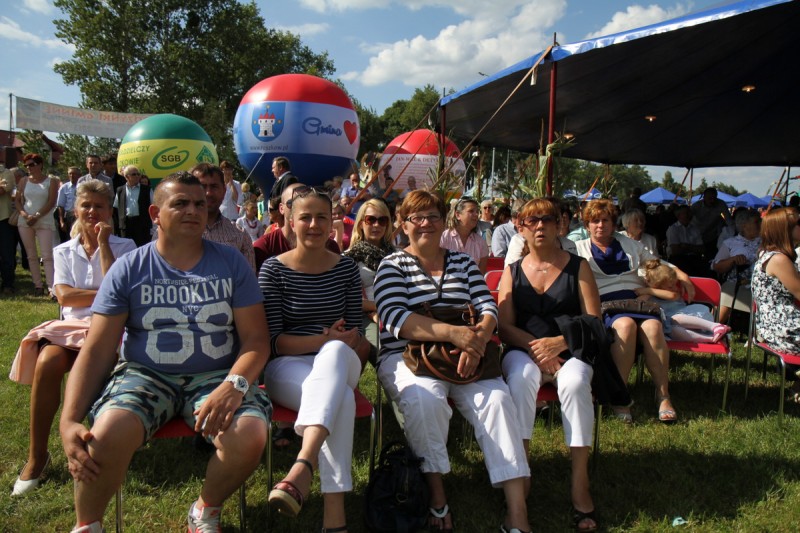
pixel 707 291
pixel 175 429
pixel 284 414
pixel 782 359
pixel 495 263
pixel 492 278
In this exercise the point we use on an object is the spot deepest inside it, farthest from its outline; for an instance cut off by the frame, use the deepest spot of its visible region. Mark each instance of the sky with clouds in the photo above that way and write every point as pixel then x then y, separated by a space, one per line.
pixel 383 49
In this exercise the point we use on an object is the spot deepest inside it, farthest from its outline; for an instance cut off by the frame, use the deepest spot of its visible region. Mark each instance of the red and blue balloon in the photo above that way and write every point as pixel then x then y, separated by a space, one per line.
pixel 307 119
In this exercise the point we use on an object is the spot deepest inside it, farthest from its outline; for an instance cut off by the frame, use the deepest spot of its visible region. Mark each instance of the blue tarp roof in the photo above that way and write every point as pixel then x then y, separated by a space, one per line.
pixel 687 72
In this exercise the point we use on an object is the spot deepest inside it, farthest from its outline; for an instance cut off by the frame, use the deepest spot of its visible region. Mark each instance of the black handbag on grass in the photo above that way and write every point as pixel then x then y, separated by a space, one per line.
pixel 397 495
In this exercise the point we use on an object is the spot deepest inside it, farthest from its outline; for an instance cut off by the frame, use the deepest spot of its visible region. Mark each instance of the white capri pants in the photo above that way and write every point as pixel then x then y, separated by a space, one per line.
pixel 486 404
pixel 574 385
pixel 320 388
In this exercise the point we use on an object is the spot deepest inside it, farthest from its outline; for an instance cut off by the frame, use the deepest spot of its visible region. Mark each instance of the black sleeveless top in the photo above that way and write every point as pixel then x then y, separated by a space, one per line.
pixel 536 313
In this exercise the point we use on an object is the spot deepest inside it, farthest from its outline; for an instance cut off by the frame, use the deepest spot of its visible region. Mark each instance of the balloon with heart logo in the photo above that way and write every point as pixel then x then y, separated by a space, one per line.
pixel 307 119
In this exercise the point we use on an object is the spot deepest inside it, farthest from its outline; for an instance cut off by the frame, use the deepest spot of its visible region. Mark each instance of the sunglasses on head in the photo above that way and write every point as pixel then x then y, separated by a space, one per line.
pixel 533 221
pixel 305 191
pixel 370 220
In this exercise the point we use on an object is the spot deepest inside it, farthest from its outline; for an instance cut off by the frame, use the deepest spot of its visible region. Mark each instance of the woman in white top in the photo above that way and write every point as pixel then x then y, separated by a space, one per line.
pixel 734 262
pixel 36 199
pixel 462 233
pixel 634 221
pixel 48 351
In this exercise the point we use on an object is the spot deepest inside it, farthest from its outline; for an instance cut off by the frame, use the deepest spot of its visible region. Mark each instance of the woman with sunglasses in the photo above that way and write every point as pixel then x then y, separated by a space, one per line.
pixel 312 299
pixel 371 242
pixel 36 199
pixel 776 288
pixel 537 295
pixel 425 272
pixel 462 234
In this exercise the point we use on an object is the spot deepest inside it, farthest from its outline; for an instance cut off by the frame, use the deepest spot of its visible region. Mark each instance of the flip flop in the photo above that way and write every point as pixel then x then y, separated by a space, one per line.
pixel 667 416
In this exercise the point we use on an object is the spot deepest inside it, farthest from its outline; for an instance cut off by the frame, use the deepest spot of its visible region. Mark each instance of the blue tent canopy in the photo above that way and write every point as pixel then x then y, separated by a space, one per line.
pixel 688 73
pixel 729 199
pixel 660 195
pixel 750 200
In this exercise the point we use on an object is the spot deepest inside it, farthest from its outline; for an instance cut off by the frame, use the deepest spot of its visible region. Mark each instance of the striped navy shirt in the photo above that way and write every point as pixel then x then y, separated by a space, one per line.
pixel 304 304
pixel 401 285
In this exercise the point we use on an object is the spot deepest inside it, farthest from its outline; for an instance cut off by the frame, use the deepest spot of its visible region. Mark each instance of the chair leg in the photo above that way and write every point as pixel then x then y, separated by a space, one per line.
pixel 242 506
pixel 781 391
pixel 268 455
pixel 749 356
pixel 119 509
pixel 596 444
pixel 727 379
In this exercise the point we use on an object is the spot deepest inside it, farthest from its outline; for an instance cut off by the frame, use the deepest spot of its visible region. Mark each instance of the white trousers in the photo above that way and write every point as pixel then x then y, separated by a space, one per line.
pixel 486 404
pixel 574 385
pixel 320 388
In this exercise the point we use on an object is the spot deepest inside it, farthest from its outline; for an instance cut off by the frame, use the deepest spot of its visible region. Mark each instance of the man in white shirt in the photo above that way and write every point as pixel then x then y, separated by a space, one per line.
pixel 65 203
pixel 233 193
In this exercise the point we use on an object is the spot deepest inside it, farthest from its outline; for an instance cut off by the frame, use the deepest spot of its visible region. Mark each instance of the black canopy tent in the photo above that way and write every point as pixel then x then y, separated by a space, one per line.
pixel 688 74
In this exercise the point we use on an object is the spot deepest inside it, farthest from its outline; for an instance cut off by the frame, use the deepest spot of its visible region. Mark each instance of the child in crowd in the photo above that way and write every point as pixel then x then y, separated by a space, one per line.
pixel 249 223
pixel 682 322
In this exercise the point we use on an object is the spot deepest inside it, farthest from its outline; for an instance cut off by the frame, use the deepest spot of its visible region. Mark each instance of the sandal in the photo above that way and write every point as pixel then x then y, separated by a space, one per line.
pixel 666 416
pixel 580 516
pixel 511 530
pixel 623 416
pixel 441 514
pixel 286 434
pixel 286 497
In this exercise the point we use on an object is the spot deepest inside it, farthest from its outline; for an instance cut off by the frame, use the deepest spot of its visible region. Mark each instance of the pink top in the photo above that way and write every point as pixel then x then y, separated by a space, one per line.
pixel 476 246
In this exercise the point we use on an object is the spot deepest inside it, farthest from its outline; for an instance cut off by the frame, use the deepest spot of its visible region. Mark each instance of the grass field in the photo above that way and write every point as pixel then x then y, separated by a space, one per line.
pixel 718 471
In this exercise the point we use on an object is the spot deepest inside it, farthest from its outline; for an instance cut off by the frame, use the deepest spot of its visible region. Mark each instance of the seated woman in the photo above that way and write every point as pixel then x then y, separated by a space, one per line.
pixel 462 234
pixel 615 261
pixel 734 261
pixel 371 242
pixel 48 351
pixel 545 285
pixel 776 288
pixel 312 299
pixel 426 272
pixel 634 221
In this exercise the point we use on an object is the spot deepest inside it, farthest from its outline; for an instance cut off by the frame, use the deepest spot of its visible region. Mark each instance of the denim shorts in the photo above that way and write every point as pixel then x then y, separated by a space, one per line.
pixel 156 397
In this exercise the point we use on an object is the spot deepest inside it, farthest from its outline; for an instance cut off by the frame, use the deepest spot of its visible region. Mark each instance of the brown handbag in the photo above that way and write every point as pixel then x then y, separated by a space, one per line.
pixel 433 359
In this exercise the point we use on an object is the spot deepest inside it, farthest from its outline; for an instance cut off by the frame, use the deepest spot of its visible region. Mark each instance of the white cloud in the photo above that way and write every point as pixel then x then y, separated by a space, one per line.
pixel 12 31
pixel 636 16
pixel 307 30
pixel 39 6
pixel 501 36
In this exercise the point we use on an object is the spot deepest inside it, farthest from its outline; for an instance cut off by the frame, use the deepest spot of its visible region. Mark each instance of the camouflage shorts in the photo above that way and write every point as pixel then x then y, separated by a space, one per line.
pixel 156 397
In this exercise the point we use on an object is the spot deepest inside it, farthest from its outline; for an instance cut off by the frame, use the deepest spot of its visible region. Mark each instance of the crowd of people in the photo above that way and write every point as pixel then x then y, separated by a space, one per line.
pixel 215 289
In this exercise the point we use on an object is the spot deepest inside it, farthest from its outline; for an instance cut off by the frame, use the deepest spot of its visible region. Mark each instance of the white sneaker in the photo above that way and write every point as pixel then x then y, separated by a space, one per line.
pixel 205 520
pixel 94 527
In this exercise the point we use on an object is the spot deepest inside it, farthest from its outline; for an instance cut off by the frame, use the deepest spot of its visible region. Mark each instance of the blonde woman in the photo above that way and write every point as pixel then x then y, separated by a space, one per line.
pixel 370 243
pixel 48 351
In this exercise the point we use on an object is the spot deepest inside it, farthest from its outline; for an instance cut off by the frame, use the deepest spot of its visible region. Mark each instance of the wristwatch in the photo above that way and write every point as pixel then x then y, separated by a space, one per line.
pixel 239 383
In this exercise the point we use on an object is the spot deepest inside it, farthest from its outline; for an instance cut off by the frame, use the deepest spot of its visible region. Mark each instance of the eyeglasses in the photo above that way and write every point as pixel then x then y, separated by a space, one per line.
pixel 533 221
pixel 370 220
pixel 487 207
pixel 29 165
pixel 417 220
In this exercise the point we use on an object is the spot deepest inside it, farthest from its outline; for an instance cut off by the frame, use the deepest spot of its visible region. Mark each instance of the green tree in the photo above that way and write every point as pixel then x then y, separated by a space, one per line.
pixel 194 58
pixel 405 115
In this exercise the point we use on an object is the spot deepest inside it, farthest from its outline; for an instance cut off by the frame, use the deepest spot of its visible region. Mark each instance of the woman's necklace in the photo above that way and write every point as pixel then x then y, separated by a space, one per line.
pixel 253 225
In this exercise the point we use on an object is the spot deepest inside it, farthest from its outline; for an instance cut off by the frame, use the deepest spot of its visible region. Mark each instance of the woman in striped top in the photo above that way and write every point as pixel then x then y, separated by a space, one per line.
pixel 426 272
pixel 312 299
